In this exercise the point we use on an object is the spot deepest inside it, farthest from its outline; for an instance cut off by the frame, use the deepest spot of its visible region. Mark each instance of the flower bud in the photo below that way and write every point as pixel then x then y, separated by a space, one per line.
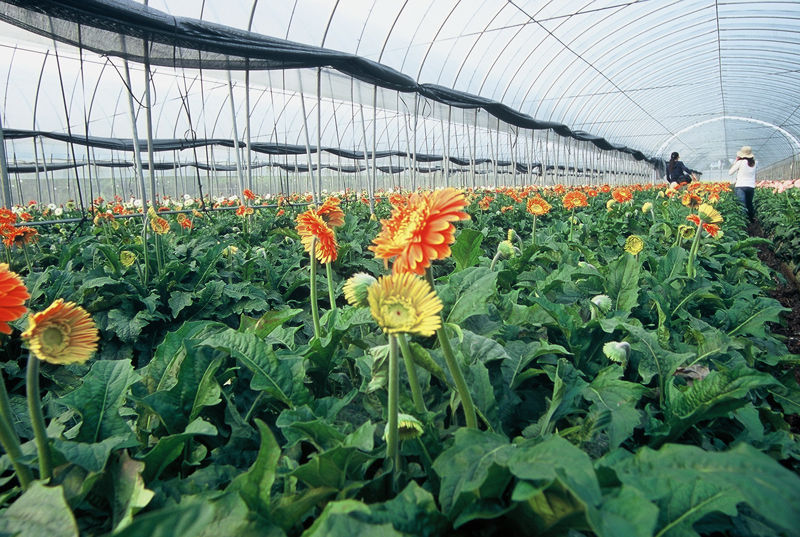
pixel 356 288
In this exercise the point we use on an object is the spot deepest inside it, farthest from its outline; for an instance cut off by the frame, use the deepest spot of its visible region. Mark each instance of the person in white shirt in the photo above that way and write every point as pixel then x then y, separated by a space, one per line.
pixel 745 186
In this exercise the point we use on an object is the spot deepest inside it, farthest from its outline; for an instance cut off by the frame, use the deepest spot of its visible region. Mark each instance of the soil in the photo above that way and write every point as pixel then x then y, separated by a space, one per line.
pixel 788 294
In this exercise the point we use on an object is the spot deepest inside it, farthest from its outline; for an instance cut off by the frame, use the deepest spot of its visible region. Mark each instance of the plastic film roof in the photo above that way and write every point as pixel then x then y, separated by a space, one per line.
pixel 699 77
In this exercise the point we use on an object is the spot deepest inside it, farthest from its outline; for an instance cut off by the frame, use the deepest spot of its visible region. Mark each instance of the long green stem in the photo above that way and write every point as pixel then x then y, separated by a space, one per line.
pixel 455 369
pixel 9 438
pixel 329 276
pixel 37 420
pixel 533 232
pixel 691 270
pixel 494 260
pixel 392 451
pixel 314 305
pixel 416 389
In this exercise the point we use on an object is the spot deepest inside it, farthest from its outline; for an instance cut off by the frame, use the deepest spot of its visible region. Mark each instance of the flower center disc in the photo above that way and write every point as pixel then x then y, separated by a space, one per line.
pixel 398 314
pixel 54 338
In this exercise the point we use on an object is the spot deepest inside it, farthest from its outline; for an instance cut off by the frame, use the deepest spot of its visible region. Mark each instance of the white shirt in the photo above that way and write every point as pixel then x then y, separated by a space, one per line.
pixel 746 176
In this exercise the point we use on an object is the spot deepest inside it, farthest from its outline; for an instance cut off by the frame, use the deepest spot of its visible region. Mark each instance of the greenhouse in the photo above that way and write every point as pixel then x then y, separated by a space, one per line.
pixel 400 268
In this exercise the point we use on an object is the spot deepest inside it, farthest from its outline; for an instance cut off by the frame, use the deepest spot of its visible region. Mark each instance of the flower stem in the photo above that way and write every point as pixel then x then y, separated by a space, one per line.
pixel 329 276
pixel 455 369
pixel 37 420
pixel 494 261
pixel 314 305
pixel 533 232
pixel 9 438
pixel 392 451
pixel 416 390
pixel 691 270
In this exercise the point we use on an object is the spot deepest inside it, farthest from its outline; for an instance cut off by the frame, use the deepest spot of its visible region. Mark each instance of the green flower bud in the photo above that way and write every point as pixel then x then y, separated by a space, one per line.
pixel 356 288
pixel 617 351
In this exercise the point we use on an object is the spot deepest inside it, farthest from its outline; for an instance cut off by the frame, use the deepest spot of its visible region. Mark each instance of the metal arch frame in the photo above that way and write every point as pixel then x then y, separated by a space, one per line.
pixel 783 131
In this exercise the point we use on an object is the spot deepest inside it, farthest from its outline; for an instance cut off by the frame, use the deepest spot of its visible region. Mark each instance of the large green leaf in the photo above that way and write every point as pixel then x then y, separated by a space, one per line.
pixel 474 467
pixel 653 359
pixel 608 392
pixel 282 378
pixel 341 467
pixel 130 494
pixel 169 448
pixel 556 459
pixel 346 518
pixel 162 371
pixel 39 511
pixel 470 290
pixel 254 486
pixel 688 483
pixel 467 248
pixel 627 513
pixel 195 389
pixel 623 282
pixel 716 395
pixel 187 519
pixel 482 349
pixel 750 318
pixel 412 512
pixel 100 398
pixel 483 395
pixel 91 456
pixel 520 355
pixel 567 387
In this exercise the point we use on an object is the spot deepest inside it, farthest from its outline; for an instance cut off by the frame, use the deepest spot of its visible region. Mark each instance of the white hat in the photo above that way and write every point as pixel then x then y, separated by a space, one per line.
pixel 745 152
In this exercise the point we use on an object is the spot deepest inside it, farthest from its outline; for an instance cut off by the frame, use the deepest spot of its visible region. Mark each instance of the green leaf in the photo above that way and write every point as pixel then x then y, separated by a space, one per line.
pixel 473 288
pixel 467 248
pixel 273 319
pixel 620 397
pixel 474 467
pixel 179 300
pixel 232 517
pixel 412 512
pixel 567 386
pixel 623 282
pixel 625 514
pixel 254 486
pixel 346 519
pixel 687 483
pixel 752 318
pixel 557 459
pixel 195 389
pixel 654 360
pixel 188 519
pixel 100 398
pixel 282 378
pixel 481 349
pixel 336 468
pixel 520 356
pixel 90 456
pixel 717 395
pixel 170 448
pixel 130 495
pixel 483 394
pixel 127 325
pixel 162 371
pixel 39 511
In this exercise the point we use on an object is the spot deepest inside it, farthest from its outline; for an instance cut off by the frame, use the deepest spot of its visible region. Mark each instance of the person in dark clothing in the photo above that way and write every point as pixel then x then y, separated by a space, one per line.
pixel 677 172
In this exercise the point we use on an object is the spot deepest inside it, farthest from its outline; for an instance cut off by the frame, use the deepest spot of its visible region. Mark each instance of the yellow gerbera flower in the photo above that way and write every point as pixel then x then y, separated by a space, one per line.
pixel 405 304
pixel 634 244
pixel 127 258
pixel 408 427
pixel 63 334
pixel 708 214
pixel 159 225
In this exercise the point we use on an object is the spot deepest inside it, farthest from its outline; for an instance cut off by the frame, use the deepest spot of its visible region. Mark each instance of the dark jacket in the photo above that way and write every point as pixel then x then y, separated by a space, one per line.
pixel 680 173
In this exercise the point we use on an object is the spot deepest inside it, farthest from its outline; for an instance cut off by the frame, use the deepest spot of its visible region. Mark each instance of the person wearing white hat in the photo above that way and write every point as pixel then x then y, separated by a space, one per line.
pixel 745 169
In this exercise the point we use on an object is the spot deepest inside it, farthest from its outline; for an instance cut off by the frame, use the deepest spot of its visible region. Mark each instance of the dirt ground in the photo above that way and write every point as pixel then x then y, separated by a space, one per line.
pixel 788 294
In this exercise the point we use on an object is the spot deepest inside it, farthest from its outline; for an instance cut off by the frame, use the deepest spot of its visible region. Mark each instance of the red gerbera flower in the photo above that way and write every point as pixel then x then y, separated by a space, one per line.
pixel 248 194
pixel 621 194
pixel 694 219
pixel 13 295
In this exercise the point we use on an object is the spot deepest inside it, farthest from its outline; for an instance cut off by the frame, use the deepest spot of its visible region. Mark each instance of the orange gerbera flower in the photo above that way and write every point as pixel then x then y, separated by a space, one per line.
pixel 575 199
pixel 605 188
pixel 538 206
pixel 621 194
pixel 63 334
pixel 313 230
pixel 694 219
pixel 691 200
pixel 7 216
pixel 484 203
pixel 244 210
pixel 248 194
pixel 331 213
pixel 13 295
pixel 420 231
pixel 591 192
